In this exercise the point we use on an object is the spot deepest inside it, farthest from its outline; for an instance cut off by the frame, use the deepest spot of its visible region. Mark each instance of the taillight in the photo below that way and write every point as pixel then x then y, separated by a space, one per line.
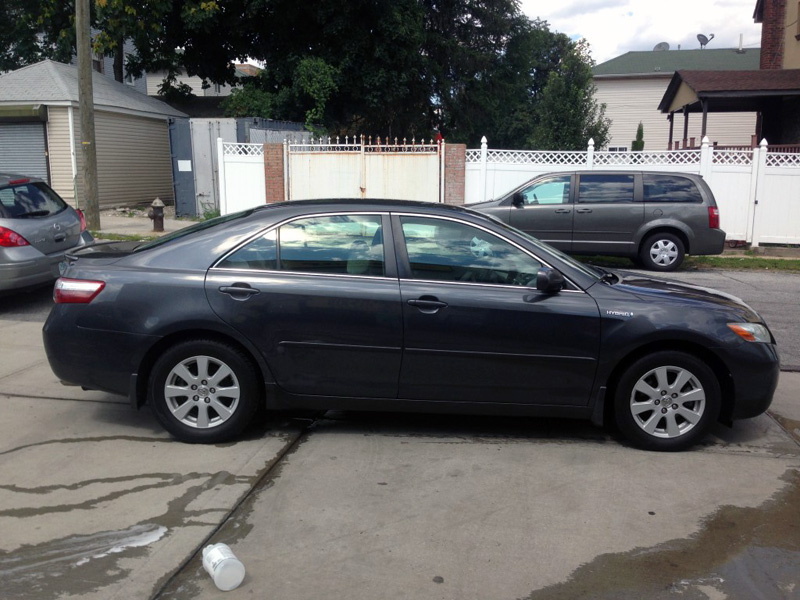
pixel 16 181
pixel 713 217
pixel 76 291
pixel 11 239
pixel 82 218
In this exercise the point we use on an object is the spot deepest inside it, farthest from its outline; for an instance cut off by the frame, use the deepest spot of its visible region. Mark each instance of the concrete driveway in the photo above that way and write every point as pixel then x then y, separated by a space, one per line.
pixel 97 502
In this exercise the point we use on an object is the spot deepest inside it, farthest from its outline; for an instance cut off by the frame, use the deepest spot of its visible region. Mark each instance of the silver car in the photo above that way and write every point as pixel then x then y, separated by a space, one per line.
pixel 36 228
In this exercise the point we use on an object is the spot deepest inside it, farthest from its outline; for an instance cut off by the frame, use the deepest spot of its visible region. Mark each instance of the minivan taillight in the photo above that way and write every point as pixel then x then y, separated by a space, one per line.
pixel 11 239
pixel 82 218
pixel 713 217
pixel 76 291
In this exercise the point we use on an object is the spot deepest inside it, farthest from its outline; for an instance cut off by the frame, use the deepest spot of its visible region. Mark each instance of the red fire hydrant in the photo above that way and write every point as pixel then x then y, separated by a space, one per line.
pixel 156 213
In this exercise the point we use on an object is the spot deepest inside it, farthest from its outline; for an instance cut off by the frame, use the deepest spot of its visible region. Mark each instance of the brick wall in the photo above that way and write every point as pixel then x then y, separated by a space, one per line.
pixel 273 172
pixel 455 156
pixel 772 34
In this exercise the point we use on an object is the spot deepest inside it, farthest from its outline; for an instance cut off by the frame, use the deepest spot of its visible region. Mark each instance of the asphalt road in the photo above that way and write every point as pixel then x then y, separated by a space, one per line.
pixel 776 296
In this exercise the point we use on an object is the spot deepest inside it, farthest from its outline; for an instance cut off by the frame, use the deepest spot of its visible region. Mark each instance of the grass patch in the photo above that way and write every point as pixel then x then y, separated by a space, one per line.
pixel 120 237
pixel 734 263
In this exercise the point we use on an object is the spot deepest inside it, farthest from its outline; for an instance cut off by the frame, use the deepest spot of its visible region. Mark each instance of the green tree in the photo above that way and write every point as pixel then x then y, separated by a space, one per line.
pixel 637 145
pixel 567 115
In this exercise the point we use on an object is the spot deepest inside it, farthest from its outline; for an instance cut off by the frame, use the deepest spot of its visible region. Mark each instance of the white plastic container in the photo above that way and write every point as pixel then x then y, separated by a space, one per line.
pixel 225 569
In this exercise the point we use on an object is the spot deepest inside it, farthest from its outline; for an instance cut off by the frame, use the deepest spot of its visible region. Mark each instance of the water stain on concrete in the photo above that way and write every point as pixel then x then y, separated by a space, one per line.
pixel 751 553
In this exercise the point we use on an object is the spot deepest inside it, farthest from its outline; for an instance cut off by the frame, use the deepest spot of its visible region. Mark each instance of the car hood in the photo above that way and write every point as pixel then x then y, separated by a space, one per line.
pixel 646 287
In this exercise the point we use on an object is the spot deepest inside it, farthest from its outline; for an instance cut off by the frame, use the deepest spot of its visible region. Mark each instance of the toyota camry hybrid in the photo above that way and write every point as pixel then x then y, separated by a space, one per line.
pixel 399 306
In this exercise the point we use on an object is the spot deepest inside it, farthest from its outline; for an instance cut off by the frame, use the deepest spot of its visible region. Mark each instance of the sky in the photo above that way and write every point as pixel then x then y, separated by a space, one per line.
pixel 614 27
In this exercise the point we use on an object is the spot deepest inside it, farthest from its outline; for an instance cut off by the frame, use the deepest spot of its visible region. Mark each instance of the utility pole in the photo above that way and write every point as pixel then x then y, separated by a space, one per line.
pixel 86 104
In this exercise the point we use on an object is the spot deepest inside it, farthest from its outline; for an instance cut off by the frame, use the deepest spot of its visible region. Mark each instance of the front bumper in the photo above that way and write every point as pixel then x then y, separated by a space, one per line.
pixel 755 369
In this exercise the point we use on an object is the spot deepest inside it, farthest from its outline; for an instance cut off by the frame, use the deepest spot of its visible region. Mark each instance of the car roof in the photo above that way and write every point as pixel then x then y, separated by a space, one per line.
pixel 5 178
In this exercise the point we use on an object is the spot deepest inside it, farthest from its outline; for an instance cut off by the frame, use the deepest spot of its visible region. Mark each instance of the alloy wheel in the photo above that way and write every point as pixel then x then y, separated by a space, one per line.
pixel 202 392
pixel 667 402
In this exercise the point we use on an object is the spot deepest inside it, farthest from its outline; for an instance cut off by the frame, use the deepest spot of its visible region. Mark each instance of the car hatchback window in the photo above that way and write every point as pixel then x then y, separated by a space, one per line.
pixel 28 200
pixel 445 250
pixel 605 188
pixel 666 188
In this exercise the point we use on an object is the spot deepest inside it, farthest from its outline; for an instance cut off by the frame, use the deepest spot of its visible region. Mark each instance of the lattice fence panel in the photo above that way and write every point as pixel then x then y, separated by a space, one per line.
pixel 242 149
pixel 783 159
pixel 734 158
pixel 535 157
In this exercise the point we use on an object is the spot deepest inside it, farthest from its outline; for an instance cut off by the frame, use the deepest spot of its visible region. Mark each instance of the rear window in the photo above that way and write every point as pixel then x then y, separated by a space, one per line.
pixel 666 188
pixel 605 188
pixel 29 200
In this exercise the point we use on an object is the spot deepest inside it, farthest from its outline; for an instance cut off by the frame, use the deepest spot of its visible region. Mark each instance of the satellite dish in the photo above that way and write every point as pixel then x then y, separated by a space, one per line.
pixel 704 40
pixel 661 47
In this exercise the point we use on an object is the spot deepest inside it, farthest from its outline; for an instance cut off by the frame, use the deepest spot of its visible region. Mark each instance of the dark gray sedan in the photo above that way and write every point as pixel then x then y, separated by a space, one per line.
pixel 399 306
pixel 36 228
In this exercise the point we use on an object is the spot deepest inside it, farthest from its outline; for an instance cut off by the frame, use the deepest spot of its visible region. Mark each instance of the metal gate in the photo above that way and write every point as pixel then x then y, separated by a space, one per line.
pixel 23 149
pixel 204 150
pixel 361 168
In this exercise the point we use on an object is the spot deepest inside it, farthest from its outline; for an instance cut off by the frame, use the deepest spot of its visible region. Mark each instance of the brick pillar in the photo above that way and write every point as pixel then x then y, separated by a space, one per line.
pixel 273 173
pixel 455 158
pixel 772 34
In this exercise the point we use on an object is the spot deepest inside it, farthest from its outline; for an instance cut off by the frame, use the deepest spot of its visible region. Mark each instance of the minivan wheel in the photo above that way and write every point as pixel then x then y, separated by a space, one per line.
pixel 203 391
pixel 667 401
pixel 662 252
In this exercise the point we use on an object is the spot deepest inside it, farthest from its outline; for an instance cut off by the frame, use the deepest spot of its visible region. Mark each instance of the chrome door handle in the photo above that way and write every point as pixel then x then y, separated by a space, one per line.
pixel 584 210
pixel 562 211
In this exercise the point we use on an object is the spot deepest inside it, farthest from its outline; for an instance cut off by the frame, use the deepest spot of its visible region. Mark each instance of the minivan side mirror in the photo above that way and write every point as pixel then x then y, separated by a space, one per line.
pixel 549 281
pixel 518 199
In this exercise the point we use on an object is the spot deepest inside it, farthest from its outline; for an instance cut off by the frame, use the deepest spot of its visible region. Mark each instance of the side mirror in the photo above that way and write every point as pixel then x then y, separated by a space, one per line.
pixel 549 281
pixel 518 200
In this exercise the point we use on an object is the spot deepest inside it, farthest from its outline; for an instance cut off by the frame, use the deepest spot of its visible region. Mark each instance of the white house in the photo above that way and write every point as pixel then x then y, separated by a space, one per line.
pixel 632 85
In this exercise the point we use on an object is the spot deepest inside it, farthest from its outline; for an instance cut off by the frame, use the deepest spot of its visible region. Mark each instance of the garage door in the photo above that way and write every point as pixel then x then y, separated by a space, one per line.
pixel 22 149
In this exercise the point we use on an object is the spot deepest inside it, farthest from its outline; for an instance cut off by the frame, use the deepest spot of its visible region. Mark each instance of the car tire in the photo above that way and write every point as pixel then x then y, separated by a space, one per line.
pixel 667 401
pixel 204 391
pixel 662 252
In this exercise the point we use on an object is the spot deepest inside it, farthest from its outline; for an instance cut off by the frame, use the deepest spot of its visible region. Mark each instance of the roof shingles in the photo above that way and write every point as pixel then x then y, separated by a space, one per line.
pixel 50 82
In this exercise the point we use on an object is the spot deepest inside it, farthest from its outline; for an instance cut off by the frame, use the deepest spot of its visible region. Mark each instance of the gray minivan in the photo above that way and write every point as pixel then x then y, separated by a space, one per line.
pixel 652 217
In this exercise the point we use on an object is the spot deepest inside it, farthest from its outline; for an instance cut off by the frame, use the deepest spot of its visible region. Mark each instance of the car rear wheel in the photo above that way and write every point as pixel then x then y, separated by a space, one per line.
pixel 662 252
pixel 667 401
pixel 203 391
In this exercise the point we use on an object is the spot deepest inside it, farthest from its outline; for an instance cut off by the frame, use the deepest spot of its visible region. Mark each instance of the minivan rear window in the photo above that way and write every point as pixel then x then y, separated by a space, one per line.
pixel 607 188
pixel 668 188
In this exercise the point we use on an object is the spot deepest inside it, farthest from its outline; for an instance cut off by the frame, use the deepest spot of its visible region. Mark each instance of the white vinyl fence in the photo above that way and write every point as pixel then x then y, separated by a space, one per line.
pixel 242 181
pixel 758 191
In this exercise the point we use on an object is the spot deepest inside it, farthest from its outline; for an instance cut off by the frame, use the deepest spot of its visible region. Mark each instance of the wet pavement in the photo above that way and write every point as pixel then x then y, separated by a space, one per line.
pixel 97 502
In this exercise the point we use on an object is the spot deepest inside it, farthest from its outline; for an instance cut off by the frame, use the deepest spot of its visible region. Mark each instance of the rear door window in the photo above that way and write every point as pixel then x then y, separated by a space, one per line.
pixel 668 188
pixel 605 188
pixel 334 245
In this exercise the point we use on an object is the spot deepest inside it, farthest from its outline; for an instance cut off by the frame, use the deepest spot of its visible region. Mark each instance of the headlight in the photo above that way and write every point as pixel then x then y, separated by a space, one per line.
pixel 751 332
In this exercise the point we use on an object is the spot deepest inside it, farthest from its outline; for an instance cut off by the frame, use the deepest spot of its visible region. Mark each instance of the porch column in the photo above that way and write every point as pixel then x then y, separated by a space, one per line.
pixel 671 119
pixel 704 103
pixel 685 125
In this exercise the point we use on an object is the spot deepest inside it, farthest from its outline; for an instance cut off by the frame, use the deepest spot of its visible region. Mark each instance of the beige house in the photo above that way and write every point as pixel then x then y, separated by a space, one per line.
pixel 40 135
pixel 632 85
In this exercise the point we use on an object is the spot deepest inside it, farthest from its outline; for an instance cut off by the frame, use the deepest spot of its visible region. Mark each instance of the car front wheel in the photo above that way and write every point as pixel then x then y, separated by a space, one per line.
pixel 662 252
pixel 667 401
pixel 204 391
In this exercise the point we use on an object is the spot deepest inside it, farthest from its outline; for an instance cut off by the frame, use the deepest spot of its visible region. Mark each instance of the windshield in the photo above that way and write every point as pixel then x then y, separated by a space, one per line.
pixel 546 249
pixel 201 226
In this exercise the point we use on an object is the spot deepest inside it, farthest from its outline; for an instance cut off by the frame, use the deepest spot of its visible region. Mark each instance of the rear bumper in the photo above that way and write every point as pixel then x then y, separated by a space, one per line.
pixel 710 241
pixel 80 356
pixel 25 266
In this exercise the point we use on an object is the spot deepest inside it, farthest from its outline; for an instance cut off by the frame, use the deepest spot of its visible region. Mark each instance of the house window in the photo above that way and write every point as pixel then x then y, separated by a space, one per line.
pixel 618 149
pixel 217 88
pixel 128 79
